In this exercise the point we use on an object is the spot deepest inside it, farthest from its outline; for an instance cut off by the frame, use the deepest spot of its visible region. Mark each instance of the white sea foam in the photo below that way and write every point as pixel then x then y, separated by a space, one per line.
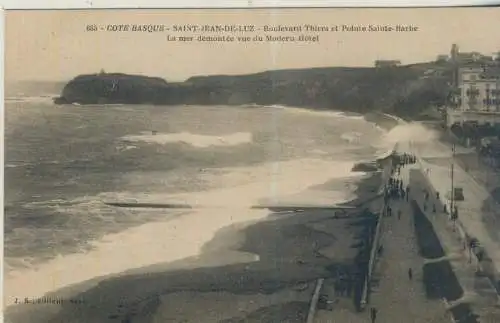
pixel 123 147
pixel 403 132
pixel 406 132
pixel 182 236
pixel 195 140
pixel 351 137
pixel 329 113
pixel 46 99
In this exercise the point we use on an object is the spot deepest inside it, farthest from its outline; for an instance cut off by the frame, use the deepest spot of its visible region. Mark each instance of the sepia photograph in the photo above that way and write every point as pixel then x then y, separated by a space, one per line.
pixel 302 165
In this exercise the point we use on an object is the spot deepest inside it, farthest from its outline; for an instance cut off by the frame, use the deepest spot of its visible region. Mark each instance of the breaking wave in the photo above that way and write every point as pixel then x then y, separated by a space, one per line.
pixel 200 141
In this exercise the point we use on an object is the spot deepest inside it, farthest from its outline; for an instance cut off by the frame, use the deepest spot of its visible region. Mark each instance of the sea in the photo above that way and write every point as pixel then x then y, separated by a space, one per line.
pixel 64 162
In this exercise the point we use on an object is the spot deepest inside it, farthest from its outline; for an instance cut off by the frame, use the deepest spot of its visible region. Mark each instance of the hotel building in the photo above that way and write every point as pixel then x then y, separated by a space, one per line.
pixel 479 89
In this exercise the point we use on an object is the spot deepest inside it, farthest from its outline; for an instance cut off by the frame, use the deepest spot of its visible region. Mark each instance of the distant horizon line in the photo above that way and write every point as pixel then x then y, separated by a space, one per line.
pixel 202 75
pixel 225 74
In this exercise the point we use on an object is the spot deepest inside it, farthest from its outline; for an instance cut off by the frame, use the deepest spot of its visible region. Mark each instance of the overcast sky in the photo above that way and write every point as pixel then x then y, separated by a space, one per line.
pixel 54 45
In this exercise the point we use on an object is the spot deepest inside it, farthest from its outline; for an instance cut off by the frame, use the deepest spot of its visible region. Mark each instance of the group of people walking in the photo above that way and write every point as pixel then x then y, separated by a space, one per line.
pixel 395 189
pixel 407 159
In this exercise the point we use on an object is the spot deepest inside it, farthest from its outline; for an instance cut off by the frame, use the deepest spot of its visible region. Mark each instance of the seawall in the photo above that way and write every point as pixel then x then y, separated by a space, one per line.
pixel 376 238
pixel 386 122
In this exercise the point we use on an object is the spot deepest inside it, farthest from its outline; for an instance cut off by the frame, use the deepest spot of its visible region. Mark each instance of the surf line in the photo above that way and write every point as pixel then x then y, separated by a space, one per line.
pixel 188 206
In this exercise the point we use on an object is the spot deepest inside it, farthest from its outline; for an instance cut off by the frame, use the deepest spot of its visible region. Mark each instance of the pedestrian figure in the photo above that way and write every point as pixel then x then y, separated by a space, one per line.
pixel 434 208
pixel 445 210
pixel 437 195
pixel 399 214
pixel 341 287
pixel 373 314
pixel 349 289
pixel 410 274
pixel 426 196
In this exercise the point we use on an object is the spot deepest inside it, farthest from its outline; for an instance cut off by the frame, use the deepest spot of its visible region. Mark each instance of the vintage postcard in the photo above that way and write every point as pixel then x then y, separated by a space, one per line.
pixel 252 165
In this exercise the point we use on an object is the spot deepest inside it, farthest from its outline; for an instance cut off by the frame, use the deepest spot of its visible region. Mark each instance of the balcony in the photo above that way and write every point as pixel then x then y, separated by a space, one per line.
pixel 472 93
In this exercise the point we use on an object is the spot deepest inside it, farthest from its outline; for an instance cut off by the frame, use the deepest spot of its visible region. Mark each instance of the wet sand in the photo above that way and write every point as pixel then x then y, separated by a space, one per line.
pixel 253 272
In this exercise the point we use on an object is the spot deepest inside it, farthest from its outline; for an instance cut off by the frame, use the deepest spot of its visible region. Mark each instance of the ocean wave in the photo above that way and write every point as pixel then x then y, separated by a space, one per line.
pixel 329 113
pixel 195 140
pixel 351 137
pixel 412 131
pixel 168 238
pixel 125 147
pixel 383 154
pixel 311 111
pixel 16 164
pixel 46 99
pixel 383 121
pixel 402 131
pixel 117 235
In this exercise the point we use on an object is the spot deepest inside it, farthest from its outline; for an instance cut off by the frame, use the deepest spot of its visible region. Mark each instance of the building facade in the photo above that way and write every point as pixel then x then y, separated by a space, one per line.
pixel 477 96
pixel 442 58
pixel 479 90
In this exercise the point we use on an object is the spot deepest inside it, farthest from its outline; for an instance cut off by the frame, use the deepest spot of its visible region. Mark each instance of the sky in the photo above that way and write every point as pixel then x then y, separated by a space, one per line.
pixel 54 44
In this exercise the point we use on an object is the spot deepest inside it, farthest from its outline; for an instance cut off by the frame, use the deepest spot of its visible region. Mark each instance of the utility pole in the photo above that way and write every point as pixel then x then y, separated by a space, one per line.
pixel 452 198
pixel 453 212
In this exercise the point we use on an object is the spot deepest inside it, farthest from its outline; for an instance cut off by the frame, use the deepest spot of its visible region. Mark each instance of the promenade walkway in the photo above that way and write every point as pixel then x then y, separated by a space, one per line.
pixel 477 289
pixel 478 214
pixel 397 298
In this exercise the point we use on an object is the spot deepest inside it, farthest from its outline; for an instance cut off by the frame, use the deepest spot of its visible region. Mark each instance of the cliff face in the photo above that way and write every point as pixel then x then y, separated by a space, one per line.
pixel 113 88
pixel 400 90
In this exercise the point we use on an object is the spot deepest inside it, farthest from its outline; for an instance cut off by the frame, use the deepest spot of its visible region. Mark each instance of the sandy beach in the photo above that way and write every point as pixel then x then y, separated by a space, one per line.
pixel 262 269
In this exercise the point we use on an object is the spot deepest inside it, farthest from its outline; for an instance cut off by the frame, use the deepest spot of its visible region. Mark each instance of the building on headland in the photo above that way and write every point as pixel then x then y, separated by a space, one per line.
pixel 442 58
pixel 474 57
pixel 468 57
pixel 387 63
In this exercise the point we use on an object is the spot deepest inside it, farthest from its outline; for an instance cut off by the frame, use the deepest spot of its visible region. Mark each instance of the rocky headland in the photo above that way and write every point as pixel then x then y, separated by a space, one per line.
pixel 405 91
